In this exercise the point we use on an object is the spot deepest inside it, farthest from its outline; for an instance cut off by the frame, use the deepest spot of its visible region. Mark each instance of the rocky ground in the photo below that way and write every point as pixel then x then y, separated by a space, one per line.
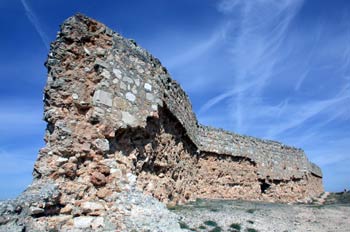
pixel 132 211
pixel 329 213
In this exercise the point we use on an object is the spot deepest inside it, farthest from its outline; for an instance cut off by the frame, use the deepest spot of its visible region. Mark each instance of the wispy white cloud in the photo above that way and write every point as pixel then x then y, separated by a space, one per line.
pixel 308 60
pixel 227 6
pixel 223 96
pixel 198 49
pixel 297 114
pixel 301 79
pixel 260 57
pixel 344 68
pixel 35 22
pixel 316 134
pixel 255 47
pixel 291 82
pixel 330 157
pixel 335 152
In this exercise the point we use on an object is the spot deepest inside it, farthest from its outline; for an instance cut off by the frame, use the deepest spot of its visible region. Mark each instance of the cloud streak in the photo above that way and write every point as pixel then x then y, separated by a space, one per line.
pixel 261 56
pixel 35 22
pixel 290 81
pixel 298 114
pixel 197 50
pixel 255 48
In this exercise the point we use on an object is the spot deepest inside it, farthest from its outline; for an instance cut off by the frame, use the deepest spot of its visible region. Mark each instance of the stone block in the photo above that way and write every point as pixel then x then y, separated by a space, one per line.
pixel 102 97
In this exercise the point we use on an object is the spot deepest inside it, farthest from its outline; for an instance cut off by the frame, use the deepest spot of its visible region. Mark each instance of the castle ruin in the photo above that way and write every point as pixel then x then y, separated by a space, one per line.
pixel 118 126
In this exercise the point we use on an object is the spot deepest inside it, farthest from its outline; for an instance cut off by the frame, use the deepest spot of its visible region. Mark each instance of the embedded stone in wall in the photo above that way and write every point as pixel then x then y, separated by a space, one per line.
pixel 131 97
pixel 102 97
pixel 128 118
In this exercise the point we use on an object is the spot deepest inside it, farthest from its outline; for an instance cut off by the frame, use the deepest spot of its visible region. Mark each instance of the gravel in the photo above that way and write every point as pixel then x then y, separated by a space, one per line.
pixel 223 215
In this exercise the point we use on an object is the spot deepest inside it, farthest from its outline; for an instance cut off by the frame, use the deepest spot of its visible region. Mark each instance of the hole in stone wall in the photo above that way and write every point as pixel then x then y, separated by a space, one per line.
pixel 50 127
pixel 264 186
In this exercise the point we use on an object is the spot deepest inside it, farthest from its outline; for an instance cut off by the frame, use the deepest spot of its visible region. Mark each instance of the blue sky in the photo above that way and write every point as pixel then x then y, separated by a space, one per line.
pixel 275 69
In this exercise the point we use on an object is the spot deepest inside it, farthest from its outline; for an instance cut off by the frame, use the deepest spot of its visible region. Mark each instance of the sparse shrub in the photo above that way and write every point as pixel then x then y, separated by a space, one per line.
pixel 184 225
pixel 210 223
pixel 251 230
pixel 202 227
pixel 250 221
pixel 216 229
pixel 250 210
pixel 235 226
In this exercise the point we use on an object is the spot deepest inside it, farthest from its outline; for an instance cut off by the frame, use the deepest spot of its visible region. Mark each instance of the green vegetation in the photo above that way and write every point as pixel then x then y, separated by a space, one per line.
pixel 250 221
pixel 211 223
pixel 202 227
pixel 216 229
pixel 250 210
pixel 251 230
pixel 184 225
pixel 236 226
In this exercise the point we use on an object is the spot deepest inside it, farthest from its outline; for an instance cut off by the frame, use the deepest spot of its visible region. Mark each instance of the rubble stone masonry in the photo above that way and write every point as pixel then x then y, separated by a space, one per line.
pixel 118 127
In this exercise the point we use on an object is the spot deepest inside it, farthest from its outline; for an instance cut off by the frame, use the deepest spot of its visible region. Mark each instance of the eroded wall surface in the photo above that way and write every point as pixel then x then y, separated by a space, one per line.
pixel 118 126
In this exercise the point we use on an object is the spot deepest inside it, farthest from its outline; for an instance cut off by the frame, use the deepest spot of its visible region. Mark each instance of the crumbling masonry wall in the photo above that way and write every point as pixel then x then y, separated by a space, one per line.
pixel 117 124
pixel 114 85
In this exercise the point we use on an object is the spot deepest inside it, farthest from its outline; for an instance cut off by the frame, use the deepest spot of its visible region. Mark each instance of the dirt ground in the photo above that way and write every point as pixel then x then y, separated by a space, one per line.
pixel 331 214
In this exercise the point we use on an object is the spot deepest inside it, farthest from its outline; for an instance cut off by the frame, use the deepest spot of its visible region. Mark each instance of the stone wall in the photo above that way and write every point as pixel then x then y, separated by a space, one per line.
pixel 118 126
pixel 179 104
pixel 131 84
pixel 126 86
pixel 274 160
